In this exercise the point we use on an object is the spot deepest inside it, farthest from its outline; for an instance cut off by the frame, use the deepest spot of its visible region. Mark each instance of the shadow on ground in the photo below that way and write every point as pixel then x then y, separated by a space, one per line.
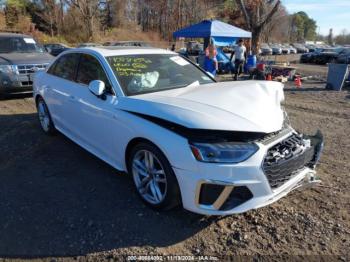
pixel 305 89
pixel 59 200
pixel 15 96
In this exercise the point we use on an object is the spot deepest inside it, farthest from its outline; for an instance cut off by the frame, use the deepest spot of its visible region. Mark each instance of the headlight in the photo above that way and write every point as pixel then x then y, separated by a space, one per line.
pixel 226 152
pixel 8 69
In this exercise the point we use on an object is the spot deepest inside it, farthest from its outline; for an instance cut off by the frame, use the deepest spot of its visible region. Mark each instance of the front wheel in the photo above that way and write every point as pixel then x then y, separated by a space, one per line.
pixel 45 117
pixel 153 177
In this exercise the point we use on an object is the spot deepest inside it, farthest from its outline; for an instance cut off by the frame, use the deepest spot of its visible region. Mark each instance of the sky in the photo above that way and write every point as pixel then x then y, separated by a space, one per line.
pixel 327 13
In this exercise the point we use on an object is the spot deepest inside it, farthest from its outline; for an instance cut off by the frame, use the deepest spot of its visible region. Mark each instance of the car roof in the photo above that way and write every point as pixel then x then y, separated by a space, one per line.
pixel 123 50
pixel 14 35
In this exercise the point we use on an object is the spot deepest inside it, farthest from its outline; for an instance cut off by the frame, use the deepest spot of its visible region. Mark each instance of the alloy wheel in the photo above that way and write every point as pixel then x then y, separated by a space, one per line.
pixel 149 177
pixel 44 117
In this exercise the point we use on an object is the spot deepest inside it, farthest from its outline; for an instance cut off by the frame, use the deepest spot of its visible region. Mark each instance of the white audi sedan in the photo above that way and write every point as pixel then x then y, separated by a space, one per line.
pixel 215 148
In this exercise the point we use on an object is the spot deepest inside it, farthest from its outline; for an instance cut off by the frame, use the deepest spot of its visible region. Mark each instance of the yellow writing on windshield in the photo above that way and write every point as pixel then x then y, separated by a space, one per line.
pixel 130 66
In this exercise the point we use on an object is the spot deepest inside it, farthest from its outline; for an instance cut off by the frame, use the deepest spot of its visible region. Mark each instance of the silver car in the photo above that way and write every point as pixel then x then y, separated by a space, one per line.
pixel 265 49
pixel 276 50
pixel 20 58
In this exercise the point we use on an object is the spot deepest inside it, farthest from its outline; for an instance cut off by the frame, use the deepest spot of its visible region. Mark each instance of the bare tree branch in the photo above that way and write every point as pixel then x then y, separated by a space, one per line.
pixel 244 10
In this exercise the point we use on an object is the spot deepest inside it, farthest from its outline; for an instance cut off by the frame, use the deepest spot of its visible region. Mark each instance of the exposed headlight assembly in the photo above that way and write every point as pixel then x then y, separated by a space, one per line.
pixel 226 152
pixel 8 69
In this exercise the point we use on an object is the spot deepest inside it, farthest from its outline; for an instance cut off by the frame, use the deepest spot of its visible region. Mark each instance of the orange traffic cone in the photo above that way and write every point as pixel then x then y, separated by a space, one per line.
pixel 297 82
pixel 269 77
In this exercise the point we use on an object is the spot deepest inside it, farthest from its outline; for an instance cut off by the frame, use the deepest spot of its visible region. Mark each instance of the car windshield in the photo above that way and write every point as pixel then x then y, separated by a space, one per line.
pixel 139 74
pixel 19 45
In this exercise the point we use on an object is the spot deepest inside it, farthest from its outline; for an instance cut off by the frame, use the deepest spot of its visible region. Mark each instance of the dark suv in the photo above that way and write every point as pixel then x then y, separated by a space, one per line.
pixel 344 56
pixel 20 58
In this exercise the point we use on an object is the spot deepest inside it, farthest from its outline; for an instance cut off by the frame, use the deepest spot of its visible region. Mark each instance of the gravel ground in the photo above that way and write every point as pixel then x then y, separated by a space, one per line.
pixel 58 200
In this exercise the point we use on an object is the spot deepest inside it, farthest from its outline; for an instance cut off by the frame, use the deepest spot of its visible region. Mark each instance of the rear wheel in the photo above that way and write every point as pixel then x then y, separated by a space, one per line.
pixel 45 117
pixel 153 177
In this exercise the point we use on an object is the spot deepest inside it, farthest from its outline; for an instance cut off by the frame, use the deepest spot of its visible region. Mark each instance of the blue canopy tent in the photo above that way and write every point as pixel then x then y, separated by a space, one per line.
pixel 221 33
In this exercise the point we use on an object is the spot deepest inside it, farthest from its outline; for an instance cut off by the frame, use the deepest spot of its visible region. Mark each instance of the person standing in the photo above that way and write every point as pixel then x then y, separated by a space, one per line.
pixel 211 63
pixel 240 53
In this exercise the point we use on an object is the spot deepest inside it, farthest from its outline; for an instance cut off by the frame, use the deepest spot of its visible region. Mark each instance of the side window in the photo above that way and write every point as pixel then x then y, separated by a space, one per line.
pixel 65 66
pixel 90 69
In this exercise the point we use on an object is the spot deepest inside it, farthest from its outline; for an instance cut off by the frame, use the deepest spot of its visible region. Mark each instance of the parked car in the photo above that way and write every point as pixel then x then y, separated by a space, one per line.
pixel 194 48
pixel 328 56
pixel 276 50
pixel 20 58
pixel 183 138
pixel 344 56
pixel 292 50
pixel 311 48
pixel 300 48
pixel 82 45
pixel 55 49
pixel 310 57
pixel 266 49
pixel 128 43
pixel 285 50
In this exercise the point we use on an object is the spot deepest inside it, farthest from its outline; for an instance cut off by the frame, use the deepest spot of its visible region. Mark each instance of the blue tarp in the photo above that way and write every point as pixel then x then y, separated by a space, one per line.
pixel 224 41
pixel 212 28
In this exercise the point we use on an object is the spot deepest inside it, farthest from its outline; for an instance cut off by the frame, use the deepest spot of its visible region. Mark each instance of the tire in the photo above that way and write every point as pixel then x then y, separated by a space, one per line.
pixel 44 117
pixel 154 180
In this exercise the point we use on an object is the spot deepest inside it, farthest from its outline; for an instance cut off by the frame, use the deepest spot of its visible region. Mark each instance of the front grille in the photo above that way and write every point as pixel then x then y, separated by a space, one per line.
pixel 28 69
pixel 26 83
pixel 285 159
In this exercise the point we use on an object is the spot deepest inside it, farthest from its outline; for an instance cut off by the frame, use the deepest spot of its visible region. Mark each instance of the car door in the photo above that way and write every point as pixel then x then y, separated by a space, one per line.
pixel 95 122
pixel 59 89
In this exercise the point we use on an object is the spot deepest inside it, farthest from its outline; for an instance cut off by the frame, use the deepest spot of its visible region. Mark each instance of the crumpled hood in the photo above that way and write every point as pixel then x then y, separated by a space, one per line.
pixel 25 58
pixel 252 106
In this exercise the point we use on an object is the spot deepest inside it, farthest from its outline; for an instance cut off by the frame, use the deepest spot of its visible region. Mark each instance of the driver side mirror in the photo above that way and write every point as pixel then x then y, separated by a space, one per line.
pixel 97 87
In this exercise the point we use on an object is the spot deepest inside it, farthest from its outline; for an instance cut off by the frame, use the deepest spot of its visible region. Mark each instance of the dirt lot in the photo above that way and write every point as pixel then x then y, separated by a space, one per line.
pixel 58 200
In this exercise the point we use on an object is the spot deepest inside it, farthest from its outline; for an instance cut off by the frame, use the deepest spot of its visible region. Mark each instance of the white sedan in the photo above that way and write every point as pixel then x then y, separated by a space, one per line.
pixel 215 148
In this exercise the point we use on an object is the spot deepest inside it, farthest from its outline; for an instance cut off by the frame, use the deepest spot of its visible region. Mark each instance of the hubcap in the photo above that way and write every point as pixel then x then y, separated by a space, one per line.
pixel 149 177
pixel 43 116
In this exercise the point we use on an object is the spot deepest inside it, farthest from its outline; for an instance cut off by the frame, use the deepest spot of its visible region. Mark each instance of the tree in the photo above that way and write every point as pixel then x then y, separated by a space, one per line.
pixel 46 15
pixel 343 38
pixel 278 29
pixel 257 14
pixel 13 9
pixel 88 10
pixel 303 27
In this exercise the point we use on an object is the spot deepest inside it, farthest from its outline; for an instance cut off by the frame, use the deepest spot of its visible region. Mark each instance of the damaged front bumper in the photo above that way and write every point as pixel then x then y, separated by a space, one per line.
pixel 227 189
